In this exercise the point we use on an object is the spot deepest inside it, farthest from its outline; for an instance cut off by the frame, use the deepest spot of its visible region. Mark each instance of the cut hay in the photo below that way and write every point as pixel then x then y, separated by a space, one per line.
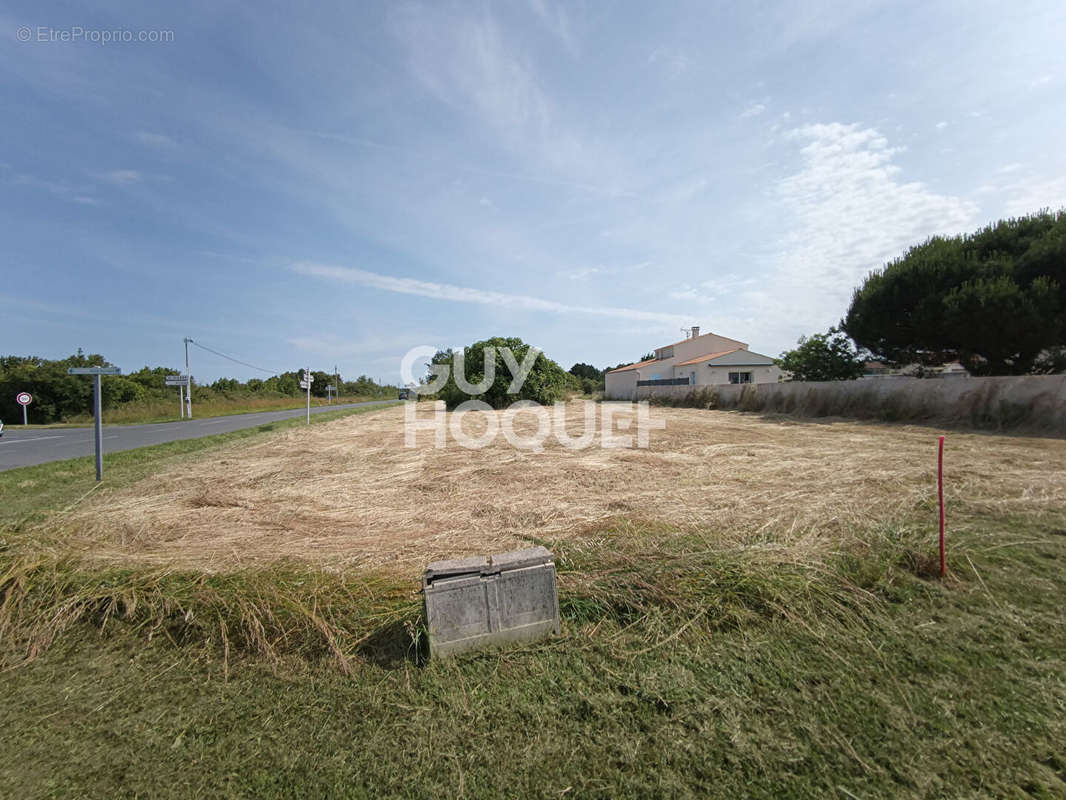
pixel 348 494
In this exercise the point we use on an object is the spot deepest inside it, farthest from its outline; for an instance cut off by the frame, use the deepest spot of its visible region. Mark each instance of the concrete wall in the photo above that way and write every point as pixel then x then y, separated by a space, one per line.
pixel 620 385
pixel 1029 402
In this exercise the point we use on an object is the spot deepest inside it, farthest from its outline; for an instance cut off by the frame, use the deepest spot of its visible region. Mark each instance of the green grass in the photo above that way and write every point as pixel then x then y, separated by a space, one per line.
pixel 683 670
pixel 27 493
pixel 694 674
pixel 155 411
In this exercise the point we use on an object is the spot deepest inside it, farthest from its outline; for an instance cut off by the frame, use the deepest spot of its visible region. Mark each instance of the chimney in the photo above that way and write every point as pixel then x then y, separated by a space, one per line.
pixel 695 331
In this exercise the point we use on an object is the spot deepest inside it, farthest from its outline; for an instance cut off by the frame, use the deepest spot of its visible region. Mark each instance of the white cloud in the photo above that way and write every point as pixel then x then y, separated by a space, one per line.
pixel 73 194
pixel 941 125
pixel 466 64
pixel 851 212
pixel 488 78
pixel 121 177
pixel 1027 196
pixel 463 294
pixel 754 110
pixel 554 17
pixel 159 141
pixel 338 347
pixel 584 273
pixel 674 61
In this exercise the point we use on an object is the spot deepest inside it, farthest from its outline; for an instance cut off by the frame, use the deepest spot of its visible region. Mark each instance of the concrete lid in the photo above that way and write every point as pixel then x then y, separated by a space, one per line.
pixel 486 565
pixel 475 565
pixel 517 559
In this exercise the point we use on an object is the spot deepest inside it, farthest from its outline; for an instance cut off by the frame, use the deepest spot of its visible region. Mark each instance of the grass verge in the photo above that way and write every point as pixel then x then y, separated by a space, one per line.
pixel 682 671
pixel 145 413
pixel 28 493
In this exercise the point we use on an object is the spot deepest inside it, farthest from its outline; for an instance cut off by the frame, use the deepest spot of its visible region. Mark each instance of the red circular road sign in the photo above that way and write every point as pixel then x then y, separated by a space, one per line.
pixel 24 398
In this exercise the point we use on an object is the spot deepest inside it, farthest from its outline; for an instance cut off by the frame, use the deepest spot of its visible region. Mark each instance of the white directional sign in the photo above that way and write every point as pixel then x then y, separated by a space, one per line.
pixel 306 384
pixel 94 371
pixel 178 380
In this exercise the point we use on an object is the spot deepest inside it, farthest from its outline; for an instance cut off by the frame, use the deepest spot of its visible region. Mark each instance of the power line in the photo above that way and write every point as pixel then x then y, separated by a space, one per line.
pixel 236 360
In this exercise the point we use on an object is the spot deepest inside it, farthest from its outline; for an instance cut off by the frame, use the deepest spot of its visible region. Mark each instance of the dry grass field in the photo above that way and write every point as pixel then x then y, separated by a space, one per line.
pixel 348 494
pixel 750 609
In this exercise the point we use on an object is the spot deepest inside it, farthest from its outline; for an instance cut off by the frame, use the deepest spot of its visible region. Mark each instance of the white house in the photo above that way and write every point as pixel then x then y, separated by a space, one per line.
pixel 700 360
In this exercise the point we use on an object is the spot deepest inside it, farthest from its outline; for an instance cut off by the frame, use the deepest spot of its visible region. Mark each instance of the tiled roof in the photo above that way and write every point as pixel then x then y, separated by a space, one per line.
pixel 708 333
pixel 638 365
pixel 709 357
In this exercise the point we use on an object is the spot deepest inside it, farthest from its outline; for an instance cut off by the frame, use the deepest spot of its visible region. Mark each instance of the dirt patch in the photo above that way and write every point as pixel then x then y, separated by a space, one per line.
pixel 348 493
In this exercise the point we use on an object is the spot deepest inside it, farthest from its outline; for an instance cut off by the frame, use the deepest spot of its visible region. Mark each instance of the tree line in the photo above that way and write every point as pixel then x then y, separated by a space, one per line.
pixel 993 300
pixel 58 396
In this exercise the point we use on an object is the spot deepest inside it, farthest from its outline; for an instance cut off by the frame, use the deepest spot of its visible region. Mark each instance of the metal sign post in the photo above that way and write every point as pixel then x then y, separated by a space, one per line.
pixel 308 379
pixel 24 399
pixel 98 433
pixel 188 386
pixel 182 382
pixel 330 391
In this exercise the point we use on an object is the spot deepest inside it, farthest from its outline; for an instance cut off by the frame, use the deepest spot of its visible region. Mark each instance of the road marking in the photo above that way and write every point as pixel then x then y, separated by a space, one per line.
pixel 35 439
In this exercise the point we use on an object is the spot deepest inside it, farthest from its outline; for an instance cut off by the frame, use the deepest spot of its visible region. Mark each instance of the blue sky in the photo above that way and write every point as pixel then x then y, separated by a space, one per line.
pixel 335 185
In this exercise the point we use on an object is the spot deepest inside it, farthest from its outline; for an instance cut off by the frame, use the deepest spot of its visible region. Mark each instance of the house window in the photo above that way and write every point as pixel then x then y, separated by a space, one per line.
pixel 740 377
pixel 664 353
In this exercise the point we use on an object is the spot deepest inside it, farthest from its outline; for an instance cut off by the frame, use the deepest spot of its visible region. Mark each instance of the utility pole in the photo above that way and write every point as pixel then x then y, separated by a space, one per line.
pixel 188 391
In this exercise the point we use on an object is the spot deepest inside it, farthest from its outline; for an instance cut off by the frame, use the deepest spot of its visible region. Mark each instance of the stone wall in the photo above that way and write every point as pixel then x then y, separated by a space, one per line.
pixel 1027 402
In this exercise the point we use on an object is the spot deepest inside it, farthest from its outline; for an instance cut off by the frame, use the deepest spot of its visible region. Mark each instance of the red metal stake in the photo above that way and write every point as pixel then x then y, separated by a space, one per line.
pixel 940 496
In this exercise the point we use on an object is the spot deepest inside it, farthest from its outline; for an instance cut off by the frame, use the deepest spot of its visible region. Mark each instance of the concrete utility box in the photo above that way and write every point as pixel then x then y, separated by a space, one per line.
pixel 490 601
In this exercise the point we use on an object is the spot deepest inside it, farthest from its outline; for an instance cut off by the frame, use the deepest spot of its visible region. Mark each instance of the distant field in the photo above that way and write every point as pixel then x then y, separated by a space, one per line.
pixel 750 609
pixel 137 413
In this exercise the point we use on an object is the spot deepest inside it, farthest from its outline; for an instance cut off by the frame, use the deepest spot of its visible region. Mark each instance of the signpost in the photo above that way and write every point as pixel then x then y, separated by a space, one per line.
pixel 24 399
pixel 182 382
pixel 308 379
pixel 98 434
pixel 329 396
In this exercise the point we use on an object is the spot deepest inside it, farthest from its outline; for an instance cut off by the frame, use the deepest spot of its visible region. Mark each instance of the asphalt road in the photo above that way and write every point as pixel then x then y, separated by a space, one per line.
pixel 24 448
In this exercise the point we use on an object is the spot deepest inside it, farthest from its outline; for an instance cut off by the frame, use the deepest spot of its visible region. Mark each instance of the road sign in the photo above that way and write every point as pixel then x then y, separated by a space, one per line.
pixel 178 380
pixel 98 412
pixel 308 378
pixel 94 371
pixel 304 385
pixel 331 388
pixel 24 399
